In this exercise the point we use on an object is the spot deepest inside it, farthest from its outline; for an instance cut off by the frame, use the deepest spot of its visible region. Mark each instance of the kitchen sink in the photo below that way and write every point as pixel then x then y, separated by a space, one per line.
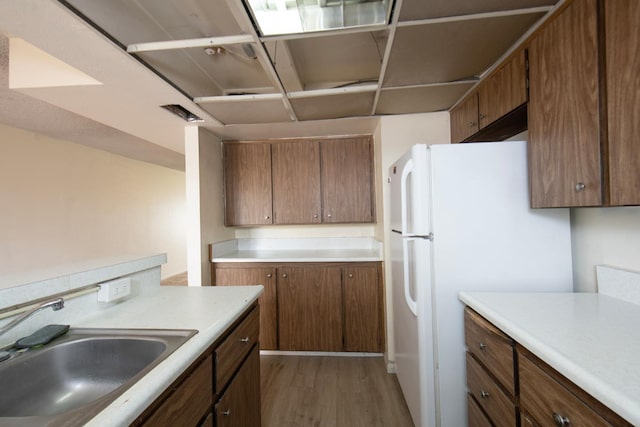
pixel 70 380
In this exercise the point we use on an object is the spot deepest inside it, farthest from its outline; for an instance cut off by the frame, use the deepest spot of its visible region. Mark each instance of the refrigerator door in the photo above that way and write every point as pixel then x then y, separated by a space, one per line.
pixel 409 179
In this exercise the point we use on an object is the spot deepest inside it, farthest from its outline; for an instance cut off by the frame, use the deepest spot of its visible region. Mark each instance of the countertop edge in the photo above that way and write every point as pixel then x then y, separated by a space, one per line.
pixel 609 396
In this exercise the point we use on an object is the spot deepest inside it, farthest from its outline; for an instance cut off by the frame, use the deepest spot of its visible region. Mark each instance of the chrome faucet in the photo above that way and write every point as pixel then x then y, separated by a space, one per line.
pixel 56 304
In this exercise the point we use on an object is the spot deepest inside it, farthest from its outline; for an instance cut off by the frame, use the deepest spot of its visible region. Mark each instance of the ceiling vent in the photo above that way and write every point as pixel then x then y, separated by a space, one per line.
pixel 183 113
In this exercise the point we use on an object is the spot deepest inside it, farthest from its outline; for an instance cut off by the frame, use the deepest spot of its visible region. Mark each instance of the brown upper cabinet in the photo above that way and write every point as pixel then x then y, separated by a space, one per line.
pixel 499 94
pixel 583 111
pixel 564 128
pixel 503 91
pixel 306 181
pixel 247 184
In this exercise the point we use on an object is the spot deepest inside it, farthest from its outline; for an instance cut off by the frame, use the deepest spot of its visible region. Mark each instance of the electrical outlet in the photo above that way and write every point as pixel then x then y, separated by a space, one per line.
pixel 114 290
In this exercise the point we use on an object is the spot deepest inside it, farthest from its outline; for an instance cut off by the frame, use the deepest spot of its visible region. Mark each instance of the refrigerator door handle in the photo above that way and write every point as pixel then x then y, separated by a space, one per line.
pixel 411 303
pixel 406 171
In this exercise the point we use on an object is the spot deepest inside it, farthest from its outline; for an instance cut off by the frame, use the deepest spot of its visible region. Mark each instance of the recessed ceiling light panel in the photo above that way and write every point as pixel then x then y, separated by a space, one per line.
pixel 277 17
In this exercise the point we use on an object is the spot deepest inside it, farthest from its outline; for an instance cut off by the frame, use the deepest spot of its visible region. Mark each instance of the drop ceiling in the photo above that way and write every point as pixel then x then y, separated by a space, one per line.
pixel 424 59
pixel 146 53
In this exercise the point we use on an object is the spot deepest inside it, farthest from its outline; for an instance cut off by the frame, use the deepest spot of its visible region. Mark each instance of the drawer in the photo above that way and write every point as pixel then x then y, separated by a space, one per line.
pixel 477 418
pixel 189 401
pixel 491 346
pixel 230 353
pixel 544 398
pixel 495 402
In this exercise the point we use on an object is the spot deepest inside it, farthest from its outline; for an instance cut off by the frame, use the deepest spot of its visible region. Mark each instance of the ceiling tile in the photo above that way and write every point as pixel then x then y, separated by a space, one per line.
pixel 143 21
pixel 419 9
pixel 355 57
pixel 200 74
pixel 450 51
pixel 421 99
pixel 333 106
pixel 244 112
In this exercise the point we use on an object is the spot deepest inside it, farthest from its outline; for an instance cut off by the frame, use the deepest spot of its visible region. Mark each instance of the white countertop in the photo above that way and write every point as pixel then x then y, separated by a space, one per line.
pixel 327 255
pixel 210 310
pixel 592 339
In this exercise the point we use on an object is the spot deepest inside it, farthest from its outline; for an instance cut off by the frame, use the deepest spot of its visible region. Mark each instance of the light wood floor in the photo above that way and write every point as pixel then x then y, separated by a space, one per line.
pixel 319 391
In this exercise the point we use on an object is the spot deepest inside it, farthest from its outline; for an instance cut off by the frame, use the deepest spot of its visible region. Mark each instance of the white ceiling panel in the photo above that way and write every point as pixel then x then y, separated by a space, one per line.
pixel 142 21
pixel 450 51
pixel 244 112
pixel 355 57
pixel 333 106
pixel 200 74
pixel 413 10
pixel 420 99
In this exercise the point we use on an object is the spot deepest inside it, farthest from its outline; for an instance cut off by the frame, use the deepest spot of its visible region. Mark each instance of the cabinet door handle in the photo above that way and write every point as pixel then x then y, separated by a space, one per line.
pixel 328 215
pixel 269 275
pixel 315 216
pixel 472 124
pixel 227 412
pixel 267 217
pixel 350 275
pixel 482 116
pixel 245 339
pixel 560 420
pixel 484 394
pixel 580 186
pixel 284 275
pixel 482 346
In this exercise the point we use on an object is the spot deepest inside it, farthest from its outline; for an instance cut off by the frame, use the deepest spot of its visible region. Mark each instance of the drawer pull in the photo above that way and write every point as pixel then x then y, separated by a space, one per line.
pixel 560 420
pixel 485 394
pixel 269 275
pixel 227 412
pixel 482 346
pixel 245 339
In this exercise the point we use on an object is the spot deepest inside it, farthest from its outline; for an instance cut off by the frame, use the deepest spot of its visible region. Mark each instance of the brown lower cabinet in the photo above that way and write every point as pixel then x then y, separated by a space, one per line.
pixel 222 385
pixel 314 306
pixel 532 395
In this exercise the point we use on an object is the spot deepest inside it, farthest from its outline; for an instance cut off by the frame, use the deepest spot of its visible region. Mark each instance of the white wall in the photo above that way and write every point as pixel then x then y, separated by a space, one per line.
pixel 608 236
pixel 64 203
pixel 397 134
pixel 205 206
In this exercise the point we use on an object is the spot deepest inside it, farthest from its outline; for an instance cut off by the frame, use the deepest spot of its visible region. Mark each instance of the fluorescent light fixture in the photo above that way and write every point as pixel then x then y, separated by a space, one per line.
pixel 183 113
pixel 277 17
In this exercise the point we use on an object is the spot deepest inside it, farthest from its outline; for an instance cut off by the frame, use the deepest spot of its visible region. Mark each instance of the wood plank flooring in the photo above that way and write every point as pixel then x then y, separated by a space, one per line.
pixel 323 391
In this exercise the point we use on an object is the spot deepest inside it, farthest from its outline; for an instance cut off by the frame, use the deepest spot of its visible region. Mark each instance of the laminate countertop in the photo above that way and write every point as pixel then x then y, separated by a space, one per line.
pixel 210 310
pixel 326 255
pixel 592 339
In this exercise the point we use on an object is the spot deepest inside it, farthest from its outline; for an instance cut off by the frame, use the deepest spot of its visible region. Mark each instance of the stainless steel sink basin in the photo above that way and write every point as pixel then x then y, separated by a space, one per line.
pixel 68 381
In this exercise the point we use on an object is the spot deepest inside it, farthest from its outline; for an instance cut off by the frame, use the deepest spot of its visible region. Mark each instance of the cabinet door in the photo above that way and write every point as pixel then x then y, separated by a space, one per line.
pixel 564 131
pixel 239 406
pixel 265 276
pixel 310 308
pixel 247 172
pixel 347 180
pixel 504 91
pixel 464 119
pixel 362 309
pixel 623 100
pixel 296 182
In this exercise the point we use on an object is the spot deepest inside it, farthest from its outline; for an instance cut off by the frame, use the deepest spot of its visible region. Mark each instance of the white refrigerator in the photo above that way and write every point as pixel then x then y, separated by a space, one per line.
pixel 461 221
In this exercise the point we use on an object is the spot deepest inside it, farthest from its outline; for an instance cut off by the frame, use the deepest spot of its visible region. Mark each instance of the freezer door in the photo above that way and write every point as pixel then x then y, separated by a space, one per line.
pixel 409 178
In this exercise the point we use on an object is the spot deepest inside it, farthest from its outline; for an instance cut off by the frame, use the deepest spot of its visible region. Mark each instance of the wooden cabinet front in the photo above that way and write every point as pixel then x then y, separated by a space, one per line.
pixel 309 308
pixel 464 119
pixel 265 276
pixel 302 181
pixel 239 406
pixel 247 172
pixel 188 401
pixel 503 91
pixel 296 182
pixel 623 100
pixel 347 180
pixel 564 129
pixel 362 301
